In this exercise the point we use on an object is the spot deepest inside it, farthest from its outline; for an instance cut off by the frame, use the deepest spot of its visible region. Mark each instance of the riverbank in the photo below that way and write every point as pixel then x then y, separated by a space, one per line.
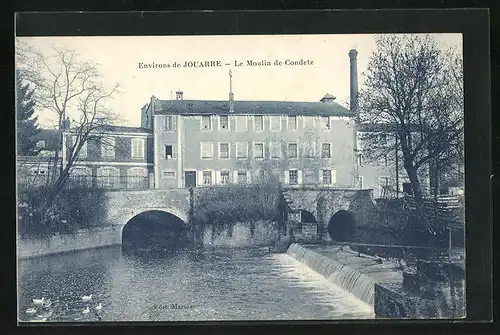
pixel 378 282
pixel 60 243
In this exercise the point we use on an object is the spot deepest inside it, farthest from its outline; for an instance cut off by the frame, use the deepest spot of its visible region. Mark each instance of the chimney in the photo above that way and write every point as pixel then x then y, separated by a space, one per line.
pixel 353 54
pixel 231 94
pixel 178 95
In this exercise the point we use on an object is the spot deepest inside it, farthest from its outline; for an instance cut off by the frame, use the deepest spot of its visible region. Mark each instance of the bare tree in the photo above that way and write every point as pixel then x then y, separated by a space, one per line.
pixel 412 92
pixel 73 92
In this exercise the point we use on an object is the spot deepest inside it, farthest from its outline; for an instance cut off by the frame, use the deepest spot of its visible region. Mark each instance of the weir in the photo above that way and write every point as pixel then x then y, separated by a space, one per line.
pixel 343 267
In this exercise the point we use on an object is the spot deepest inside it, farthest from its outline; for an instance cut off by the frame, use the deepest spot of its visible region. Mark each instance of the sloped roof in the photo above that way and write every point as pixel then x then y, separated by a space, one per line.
pixel 328 96
pixel 194 107
pixel 125 129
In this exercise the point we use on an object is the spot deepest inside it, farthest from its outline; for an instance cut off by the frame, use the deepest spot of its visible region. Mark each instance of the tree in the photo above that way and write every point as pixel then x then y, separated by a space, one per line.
pixel 412 91
pixel 71 90
pixel 27 127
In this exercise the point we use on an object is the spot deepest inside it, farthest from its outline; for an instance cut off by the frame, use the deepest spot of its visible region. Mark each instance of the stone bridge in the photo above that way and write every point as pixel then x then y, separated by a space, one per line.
pixel 124 205
pixel 320 204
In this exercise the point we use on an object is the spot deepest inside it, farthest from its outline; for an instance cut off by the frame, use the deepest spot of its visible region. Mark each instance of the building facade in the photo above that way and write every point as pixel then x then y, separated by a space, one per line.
pixel 115 157
pixel 197 143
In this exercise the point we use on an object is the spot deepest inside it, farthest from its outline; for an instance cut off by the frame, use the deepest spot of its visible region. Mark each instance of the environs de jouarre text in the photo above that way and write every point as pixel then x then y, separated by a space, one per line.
pixel 218 63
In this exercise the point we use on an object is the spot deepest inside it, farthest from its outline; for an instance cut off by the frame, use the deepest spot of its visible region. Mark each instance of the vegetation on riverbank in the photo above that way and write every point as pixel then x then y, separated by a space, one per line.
pixel 223 207
pixel 73 209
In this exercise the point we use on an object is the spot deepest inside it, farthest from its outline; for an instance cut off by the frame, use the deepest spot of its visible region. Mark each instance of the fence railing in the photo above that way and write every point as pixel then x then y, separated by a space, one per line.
pixel 110 183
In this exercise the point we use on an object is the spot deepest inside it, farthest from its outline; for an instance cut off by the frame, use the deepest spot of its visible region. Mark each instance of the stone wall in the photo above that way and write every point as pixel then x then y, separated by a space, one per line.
pixel 265 233
pixel 84 239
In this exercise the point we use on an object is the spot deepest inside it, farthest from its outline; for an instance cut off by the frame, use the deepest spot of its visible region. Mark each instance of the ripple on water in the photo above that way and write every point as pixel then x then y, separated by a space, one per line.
pixel 226 284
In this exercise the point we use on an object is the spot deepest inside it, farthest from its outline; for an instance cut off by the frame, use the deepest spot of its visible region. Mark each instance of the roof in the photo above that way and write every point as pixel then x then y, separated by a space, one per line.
pixel 328 96
pixel 124 129
pixel 195 107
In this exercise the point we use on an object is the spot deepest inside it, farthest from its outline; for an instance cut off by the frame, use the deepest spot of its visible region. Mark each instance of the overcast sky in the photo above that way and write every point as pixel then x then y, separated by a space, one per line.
pixel 119 59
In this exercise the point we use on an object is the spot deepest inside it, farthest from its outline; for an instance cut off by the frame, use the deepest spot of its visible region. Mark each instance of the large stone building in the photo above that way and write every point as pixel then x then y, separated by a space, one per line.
pixel 193 143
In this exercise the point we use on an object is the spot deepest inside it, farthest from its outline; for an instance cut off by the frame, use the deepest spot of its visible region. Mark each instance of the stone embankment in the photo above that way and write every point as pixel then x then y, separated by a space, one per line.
pixel 378 282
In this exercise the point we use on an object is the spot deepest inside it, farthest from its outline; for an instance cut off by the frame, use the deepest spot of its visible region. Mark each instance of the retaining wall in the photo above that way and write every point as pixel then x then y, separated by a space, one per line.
pixel 81 240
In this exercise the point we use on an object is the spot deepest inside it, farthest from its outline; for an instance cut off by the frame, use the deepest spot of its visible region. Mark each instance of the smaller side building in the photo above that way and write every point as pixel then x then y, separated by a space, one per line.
pixel 115 157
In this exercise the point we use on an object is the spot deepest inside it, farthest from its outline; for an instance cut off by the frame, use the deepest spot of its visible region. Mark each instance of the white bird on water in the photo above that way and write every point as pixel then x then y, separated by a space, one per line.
pixel 38 301
pixel 31 310
pixel 86 297
pixel 98 307
pixel 86 310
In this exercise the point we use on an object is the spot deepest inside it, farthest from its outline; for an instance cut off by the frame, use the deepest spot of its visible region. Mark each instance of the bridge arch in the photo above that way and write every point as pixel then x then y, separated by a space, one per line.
pixel 341 226
pixel 307 217
pixel 155 229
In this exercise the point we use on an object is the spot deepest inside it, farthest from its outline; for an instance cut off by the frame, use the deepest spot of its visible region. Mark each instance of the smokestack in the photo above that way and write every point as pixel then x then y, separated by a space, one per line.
pixel 231 94
pixel 353 54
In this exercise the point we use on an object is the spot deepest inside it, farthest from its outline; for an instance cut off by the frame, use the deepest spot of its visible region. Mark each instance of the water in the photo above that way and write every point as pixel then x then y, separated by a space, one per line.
pixel 197 285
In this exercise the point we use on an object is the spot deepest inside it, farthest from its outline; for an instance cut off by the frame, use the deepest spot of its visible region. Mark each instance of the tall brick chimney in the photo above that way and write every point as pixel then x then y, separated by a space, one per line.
pixel 353 54
pixel 231 94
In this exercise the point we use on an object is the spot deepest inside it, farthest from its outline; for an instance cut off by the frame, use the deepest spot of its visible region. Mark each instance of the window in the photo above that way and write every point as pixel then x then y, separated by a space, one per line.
pixel 242 177
pixel 258 150
pixel 292 150
pixel 37 172
pixel 327 177
pixel 292 123
pixel 108 177
pixel 137 148
pixel 325 122
pixel 308 122
pixel 241 122
pixel 108 147
pixel 223 150
pixel 293 177
pixel 275 148
pixel 169 151
pixel 136 178
pixel 83 149
pixel 206 122
pixel 241 149
pixel 360 182
pixel 261 175
pixel 224 177
pixel 325 150
pixel 169 174
pixel 207 177
pixel 258 122
pixel 169 122
pixel 309 149
pixel 275 122
pixel 224 122
pixel 360 159
pixel 206 150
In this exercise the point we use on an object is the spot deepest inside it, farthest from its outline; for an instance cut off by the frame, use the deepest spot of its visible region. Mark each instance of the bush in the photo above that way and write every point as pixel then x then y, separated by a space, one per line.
pixel 225 206
pixel 72 209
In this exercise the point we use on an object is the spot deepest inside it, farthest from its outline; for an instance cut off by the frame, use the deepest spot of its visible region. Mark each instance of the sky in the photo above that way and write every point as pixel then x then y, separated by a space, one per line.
pixel 119 57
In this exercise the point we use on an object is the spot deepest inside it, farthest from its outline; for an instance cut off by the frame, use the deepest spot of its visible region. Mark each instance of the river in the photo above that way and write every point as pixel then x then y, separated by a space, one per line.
pixel 189 285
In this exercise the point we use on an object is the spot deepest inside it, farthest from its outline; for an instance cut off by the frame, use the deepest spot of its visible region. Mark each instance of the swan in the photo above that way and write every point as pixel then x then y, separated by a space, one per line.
pixel 38 301
pixel 86 310
pixel 86 297
pixel 47 304
pixel 31 310
pixel 98 307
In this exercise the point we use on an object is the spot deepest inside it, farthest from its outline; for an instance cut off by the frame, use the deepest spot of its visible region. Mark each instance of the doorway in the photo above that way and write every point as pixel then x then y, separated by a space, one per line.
pixel 190 178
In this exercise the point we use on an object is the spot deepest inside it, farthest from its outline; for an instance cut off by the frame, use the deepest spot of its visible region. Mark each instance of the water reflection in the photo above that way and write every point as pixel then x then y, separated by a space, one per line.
pixel 188 284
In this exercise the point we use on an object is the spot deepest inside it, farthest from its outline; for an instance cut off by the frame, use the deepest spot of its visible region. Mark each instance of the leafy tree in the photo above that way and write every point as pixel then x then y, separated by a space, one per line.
pixel 413 92
pixel 27 127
